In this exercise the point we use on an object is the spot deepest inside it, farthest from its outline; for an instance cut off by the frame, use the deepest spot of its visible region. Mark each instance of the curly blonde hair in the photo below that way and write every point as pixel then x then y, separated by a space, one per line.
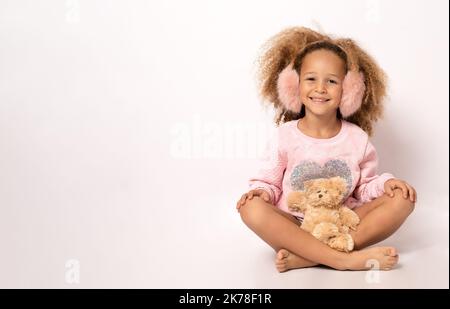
pixel 292 44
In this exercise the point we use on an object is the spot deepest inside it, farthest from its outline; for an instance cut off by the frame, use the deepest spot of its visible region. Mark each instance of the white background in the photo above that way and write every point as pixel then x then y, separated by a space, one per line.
pixel 128 130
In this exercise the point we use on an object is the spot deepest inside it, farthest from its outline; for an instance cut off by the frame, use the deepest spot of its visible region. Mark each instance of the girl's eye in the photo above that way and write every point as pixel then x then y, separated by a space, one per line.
pixel 310 78
pixel 326 191
pixel 332 81
pixel 318 191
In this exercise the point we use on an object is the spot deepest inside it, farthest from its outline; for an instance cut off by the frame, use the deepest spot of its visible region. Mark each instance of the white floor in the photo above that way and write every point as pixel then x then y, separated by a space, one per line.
pixel 202 246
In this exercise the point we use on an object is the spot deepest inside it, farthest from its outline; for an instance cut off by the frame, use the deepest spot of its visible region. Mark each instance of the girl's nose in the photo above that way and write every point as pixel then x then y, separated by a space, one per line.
pixel 321 88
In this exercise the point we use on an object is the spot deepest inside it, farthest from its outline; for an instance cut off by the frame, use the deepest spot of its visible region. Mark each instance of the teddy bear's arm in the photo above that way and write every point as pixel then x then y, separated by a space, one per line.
pixel 348 217
pixel 296 201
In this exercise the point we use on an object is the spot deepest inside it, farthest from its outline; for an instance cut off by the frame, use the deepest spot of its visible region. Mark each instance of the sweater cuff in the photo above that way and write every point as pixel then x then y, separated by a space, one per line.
pixel 265 188
pixel 381 180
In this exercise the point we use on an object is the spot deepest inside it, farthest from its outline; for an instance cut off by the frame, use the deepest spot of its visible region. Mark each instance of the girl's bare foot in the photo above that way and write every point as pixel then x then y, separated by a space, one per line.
pixel 382 258
pixel 286 260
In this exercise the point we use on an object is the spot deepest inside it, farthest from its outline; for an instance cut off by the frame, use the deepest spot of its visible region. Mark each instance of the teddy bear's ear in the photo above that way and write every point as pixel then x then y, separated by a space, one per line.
pixel 340 184
pixel 296 201
pixel 308 184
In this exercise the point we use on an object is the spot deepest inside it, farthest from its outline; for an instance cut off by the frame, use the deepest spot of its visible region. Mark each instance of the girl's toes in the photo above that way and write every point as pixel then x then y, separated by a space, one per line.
pixel 392 251
pixel 282 254
pixel 281 268
pixel 280 263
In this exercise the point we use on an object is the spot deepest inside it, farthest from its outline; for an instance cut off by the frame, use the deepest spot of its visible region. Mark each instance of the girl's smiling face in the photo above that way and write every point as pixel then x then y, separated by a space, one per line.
pixel 321 76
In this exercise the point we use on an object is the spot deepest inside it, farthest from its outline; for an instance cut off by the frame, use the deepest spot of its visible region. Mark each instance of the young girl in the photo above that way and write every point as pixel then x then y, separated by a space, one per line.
pixel 328 93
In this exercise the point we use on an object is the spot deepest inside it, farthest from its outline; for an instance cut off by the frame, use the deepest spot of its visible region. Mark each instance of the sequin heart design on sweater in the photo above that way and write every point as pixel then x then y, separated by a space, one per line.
pixel 308 170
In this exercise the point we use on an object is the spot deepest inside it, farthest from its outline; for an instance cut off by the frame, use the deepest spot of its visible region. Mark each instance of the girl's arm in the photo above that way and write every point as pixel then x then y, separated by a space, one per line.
pixel 270 174
pixel 371 185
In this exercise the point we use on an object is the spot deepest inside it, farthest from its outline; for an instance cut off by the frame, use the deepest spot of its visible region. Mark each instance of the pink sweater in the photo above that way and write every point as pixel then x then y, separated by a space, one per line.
pixel 293 157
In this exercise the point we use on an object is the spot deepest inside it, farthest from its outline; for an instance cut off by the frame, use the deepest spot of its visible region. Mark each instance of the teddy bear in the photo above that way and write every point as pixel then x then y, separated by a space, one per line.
pixel 324 215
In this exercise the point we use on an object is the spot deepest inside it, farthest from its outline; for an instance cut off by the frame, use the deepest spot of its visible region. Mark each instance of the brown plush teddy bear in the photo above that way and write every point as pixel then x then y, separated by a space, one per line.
pixel 325 217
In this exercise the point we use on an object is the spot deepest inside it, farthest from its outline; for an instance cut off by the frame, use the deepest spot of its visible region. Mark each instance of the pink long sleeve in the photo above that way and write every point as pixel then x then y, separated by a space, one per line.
pixel 269 177
pixel 370 185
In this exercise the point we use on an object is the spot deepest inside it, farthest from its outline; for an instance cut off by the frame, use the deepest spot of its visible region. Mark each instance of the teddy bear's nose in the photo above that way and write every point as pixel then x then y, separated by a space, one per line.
pixel 320 195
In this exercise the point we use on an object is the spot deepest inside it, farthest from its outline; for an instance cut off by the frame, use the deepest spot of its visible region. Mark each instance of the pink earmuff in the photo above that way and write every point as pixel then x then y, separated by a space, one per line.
pixel 353 88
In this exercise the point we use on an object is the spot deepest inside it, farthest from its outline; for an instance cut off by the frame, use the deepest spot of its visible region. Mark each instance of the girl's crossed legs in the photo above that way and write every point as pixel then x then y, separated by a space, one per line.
pixel 296 248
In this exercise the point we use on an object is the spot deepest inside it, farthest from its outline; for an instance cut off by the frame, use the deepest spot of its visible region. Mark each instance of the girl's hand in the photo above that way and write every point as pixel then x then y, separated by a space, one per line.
pixel 408 190
pixel 250 194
